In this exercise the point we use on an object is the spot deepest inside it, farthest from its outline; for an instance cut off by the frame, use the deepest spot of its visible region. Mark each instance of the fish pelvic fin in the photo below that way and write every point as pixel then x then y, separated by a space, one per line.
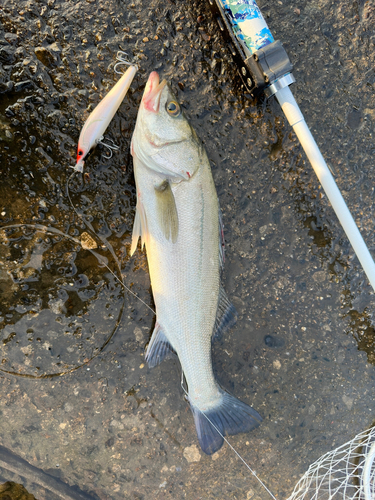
pixel 139 228
pixel 230 416
pixel 226 315
pixel 167 211
pixel 158 348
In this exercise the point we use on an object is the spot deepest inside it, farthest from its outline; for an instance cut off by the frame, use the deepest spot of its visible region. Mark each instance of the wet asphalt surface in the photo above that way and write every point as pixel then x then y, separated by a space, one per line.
pixel 77 400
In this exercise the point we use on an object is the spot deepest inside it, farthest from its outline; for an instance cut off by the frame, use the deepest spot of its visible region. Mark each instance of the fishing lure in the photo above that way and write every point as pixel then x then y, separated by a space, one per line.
pixel 96 124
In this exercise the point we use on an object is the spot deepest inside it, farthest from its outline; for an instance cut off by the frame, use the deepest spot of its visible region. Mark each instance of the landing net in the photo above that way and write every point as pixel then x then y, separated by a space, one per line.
pixel 346 473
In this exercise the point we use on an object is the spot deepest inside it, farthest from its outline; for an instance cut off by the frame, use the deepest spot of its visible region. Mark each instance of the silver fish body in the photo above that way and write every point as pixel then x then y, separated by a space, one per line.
pixel 178 220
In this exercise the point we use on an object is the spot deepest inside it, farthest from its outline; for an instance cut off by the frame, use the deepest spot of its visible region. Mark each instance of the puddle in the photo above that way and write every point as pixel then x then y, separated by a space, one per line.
pixel 58 312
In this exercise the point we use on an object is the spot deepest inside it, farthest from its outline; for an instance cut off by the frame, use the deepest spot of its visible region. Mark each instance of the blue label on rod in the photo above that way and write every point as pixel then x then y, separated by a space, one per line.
pixel 248 24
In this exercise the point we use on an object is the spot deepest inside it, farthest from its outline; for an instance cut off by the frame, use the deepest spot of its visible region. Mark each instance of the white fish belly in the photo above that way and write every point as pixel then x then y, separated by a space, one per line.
pixel 185 275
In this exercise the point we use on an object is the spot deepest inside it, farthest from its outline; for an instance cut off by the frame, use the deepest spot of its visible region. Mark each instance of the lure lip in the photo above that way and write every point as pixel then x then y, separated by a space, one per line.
pixel 153 89
pixel 79 166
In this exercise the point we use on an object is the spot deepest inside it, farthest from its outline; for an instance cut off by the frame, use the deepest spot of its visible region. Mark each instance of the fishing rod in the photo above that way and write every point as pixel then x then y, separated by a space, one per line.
pixel 265 68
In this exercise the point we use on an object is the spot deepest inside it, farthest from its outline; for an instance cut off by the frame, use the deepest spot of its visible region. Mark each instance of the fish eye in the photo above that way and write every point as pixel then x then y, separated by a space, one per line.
pixel 173 108
pixel 80 153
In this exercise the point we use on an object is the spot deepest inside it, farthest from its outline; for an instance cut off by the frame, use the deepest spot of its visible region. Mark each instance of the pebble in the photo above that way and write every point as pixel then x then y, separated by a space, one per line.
pixel 6 87
pixel 7 55
pixel 191 453
pixel 11 38
pixel 87 242
pixel 348 401
pixel 276 364
pixel 45 56
pixel 68 407
pixel 138 334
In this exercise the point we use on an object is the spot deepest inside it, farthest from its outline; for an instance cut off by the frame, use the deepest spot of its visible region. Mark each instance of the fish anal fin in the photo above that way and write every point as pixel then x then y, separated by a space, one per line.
pixel 158 348
pixel 167 211
pixel 230 416
pixel 226 315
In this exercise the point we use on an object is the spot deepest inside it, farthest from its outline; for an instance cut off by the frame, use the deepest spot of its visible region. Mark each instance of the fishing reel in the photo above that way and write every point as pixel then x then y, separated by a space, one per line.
pixel 265 70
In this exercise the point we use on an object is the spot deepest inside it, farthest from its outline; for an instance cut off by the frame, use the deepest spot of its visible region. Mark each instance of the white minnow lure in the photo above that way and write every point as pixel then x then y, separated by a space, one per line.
pixel 98 121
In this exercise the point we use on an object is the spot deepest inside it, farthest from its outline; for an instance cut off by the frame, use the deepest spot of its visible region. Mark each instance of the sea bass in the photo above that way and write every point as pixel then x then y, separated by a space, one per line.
pixel 177 218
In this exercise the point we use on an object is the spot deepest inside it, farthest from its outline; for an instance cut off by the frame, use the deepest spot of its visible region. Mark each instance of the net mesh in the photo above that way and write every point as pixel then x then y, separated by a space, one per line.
pixel 346 473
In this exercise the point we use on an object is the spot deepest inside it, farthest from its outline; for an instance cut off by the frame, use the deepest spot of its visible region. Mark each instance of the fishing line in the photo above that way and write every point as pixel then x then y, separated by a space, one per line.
pixel 122 59
pixel 53 230
pixel 144 303
pixel 107 245
pixel 46 230
pixel 228 443
pixel 101 259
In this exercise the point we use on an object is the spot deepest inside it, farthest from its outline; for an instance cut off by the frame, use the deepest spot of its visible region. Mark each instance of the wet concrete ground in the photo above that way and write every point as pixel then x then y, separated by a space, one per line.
pixel 76 397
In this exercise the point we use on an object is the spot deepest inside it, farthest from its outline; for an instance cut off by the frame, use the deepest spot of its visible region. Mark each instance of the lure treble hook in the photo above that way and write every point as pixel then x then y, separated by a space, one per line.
pixel 122 58
pixel 111 147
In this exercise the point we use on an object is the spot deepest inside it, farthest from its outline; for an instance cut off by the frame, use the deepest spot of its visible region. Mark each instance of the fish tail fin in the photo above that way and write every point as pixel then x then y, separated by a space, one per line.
pixel 230 416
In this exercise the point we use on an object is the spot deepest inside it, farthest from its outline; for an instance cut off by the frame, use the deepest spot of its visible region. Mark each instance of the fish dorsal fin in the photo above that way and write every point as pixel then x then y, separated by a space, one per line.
pixel 139 227
pixel 167 211
pixel 226 315
pixel 158 348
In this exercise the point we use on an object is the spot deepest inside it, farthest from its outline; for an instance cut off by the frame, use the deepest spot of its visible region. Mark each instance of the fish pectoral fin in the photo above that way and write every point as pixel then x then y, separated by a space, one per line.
pixel 230 416
pixel 158 348
pixel 139 227
pixel 226 315
pixel 167 211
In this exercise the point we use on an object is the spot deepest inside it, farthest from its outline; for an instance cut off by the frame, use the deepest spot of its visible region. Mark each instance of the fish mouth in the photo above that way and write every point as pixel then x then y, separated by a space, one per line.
pixel 152 93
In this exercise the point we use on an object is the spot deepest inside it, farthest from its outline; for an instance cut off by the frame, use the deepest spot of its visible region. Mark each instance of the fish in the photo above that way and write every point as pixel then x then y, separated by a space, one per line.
pixel 98 120
pixel 178 220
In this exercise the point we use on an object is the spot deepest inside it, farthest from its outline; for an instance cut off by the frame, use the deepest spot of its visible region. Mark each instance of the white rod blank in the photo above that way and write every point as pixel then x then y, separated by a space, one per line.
pixel 297 121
